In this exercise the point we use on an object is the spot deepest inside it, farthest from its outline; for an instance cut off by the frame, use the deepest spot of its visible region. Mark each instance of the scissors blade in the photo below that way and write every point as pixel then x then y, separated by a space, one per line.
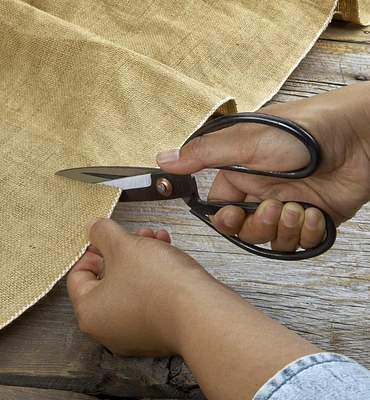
pixel 138 184
pixel 104 174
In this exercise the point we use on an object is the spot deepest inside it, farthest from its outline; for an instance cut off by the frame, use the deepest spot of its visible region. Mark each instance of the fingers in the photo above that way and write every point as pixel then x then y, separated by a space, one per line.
pixel 313 230
pixel 260 227
pixel 223 189
pixel 106 235
pixel 254 145
pixel 83 276
pixel 285 226
pixel 229 220
pixel 162 234
pixel 299 227
pixel 95 250
pixel 289 228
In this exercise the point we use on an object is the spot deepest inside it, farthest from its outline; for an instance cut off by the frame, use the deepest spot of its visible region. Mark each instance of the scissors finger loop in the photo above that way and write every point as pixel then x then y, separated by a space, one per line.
pixel 281 123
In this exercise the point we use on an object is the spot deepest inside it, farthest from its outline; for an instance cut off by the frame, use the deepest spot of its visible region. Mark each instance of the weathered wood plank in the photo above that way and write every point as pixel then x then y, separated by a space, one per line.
pixel 26 393
pixel 63 358
pixel 347 32
pixel 325 299
pixel 327 66
pixel 22 393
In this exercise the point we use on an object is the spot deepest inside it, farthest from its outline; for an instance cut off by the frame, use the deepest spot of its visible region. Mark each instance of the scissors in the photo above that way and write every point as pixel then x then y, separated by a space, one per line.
pixel 152 184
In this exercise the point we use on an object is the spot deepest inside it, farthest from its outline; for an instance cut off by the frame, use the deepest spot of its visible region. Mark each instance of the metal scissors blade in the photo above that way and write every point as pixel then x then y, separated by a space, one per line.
pixel 104 174
pixel 138 184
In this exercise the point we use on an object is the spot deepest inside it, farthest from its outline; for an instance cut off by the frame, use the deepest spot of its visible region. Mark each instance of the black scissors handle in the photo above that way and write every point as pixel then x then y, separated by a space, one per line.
pixel 203 209
pixel 288 126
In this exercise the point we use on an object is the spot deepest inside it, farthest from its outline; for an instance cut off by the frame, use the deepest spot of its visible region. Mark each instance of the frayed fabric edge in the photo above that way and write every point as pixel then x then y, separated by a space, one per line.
pixel 61 275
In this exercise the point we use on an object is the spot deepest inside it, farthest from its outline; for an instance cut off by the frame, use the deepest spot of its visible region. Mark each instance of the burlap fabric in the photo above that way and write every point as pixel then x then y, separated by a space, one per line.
pixel 356 11
pixel 112 83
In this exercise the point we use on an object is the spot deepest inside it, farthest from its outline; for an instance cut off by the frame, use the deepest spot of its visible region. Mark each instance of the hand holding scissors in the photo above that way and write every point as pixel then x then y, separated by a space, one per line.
pixel 148 184
pixel 339 120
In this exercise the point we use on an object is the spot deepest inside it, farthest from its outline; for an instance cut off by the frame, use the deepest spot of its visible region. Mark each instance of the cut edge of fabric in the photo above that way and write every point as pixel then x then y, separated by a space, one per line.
pixel 62 274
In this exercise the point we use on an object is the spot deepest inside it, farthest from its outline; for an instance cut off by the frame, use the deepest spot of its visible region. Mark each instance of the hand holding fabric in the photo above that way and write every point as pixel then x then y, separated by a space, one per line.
pixel 130 307
pixel 153 299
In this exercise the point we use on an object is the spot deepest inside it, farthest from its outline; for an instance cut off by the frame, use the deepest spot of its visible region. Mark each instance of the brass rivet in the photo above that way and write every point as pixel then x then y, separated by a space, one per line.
pixel 164 187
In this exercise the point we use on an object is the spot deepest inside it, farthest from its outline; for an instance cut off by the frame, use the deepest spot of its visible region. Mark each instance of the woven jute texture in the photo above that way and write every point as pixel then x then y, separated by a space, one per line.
pixel 112 83
pixel 356 11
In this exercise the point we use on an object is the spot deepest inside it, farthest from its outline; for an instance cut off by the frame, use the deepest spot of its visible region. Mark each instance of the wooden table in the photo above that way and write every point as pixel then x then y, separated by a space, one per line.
pixel 43 355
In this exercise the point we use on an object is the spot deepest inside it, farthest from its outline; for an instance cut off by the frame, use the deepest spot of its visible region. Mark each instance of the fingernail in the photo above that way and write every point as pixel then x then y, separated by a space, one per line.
pixel 231 221
pixel 312 219
pixel 168 156
pixel 290 218
pixel 271 214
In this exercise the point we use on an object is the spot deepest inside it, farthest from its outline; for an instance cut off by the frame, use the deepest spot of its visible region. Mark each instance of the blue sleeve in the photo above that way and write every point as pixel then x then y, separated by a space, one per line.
pixel 322 376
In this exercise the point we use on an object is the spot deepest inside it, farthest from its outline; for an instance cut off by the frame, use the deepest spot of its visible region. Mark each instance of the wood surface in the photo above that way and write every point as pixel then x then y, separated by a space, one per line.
pixel 16 393
pixel 326 300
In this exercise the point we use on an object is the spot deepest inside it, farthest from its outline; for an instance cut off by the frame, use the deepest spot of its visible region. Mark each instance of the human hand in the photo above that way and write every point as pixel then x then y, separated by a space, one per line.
pixel 131 308
pixel 151 299
pixel 339 120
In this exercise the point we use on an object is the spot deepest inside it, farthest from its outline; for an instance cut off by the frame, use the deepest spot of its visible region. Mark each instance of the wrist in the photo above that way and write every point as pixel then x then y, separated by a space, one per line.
pixel 171 312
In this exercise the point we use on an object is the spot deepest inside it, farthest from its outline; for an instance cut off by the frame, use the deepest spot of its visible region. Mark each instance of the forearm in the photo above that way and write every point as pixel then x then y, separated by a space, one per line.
pixel 231 347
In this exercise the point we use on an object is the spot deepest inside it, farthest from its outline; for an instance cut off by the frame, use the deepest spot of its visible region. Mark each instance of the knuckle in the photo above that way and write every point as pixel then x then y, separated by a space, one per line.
pixel 289 234
pixel 82 325
pixel 254 234
pixel 250 152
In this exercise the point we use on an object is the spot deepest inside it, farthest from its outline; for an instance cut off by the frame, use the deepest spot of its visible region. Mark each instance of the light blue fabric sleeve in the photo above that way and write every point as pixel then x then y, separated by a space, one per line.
pixel 322 376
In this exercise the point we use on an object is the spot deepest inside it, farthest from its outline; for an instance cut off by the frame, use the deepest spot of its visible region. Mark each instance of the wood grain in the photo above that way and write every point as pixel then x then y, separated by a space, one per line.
pixel 45 349
pixel 349 32
pixel 326 299
pixel 15 393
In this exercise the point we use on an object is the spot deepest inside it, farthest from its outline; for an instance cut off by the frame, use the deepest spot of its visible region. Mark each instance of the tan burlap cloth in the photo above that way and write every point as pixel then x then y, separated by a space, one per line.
pixel 113 82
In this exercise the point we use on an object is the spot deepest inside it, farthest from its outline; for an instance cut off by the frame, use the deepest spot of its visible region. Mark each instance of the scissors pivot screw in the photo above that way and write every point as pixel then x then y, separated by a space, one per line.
pixel 164 187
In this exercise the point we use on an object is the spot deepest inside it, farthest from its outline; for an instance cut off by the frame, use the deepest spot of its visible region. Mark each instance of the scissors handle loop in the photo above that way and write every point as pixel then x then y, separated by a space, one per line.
pixel 288 126
pixel 203 209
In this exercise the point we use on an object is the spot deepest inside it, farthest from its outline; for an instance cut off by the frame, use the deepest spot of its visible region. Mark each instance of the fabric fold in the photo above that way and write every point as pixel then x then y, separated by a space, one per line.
pixel 357 11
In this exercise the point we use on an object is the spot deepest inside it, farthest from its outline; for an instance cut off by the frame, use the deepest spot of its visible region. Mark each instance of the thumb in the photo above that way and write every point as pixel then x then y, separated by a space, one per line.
pixel 255 146
pixel 107 236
